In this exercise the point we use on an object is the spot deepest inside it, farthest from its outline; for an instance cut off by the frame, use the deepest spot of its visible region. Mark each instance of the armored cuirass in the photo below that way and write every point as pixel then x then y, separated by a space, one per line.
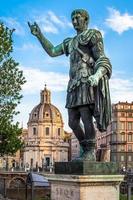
pixel 81 64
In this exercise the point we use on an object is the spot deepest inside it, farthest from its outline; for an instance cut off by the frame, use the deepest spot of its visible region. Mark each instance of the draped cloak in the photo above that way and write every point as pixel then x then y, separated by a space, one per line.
pixel 102 102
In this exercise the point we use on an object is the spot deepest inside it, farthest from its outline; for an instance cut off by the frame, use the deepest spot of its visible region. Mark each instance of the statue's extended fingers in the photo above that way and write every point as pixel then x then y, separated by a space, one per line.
pixel 35 24
pixel 29 24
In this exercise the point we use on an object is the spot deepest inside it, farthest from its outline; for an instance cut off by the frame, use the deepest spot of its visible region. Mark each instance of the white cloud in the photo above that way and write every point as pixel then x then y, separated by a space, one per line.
pixel 36 79
pixel 28 46
pixel 59 20
pixel 14 24
pixel 121 88
pixel 51 23
pixel 48 26
pixel 55 19
pixel 119 22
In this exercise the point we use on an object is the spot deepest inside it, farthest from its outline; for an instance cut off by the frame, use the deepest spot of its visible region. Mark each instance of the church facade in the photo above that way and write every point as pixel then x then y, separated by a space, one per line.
pixel 44 142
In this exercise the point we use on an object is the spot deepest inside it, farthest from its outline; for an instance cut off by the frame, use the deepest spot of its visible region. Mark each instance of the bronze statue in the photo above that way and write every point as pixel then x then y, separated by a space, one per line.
pixel 88 89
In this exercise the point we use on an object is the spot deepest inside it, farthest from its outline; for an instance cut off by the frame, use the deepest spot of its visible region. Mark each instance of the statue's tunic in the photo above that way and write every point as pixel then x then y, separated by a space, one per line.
pixel 79 91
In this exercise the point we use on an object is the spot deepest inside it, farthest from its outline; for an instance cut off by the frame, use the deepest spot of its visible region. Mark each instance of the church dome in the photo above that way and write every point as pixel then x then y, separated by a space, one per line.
pixel 45 111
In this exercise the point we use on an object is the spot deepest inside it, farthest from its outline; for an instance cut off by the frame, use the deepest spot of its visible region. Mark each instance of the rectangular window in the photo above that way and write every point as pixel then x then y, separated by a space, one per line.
pixel 129 137
pixel 47 130
pixel 122 125
pixel 113 148
pixel 129 158
pixel 122 148
pixel 129 125
pixel 122 137
pixel 126 106
pixel 129 114
pixel 122 158
pixel 122 114
pixel 114 137
pixel 113 158
pixel 129 147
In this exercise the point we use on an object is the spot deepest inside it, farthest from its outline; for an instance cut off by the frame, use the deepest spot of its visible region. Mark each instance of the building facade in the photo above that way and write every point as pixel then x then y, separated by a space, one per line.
pixel 103 145
pixel 119 136
pixel 121 143
pixel 11 162
pixel 75 147
pixel 44 143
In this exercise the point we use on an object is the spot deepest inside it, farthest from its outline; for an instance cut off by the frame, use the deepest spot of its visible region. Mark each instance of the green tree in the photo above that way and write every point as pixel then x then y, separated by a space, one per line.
pixel 11 81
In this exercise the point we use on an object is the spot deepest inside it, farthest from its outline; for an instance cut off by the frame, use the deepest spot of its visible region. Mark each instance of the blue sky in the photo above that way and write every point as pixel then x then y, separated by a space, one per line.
pixel 114 18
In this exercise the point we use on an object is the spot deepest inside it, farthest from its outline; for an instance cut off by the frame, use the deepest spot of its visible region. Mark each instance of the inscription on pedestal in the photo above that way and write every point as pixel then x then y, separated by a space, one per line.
pixel 90 187
pixel 64 192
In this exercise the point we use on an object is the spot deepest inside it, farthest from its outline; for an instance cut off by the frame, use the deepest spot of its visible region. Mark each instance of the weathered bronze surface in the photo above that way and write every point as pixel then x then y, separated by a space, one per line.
pixel 88 89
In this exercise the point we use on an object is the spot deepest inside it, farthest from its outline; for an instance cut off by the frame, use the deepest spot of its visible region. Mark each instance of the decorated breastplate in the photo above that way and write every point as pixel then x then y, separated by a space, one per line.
pixel 81 64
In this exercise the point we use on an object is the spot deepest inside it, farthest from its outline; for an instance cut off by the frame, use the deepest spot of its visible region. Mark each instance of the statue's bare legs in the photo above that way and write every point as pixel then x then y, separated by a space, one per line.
pixel 85 135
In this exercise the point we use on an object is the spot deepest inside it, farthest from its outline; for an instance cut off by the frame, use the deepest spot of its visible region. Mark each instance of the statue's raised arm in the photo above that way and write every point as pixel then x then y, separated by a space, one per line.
pixel 46 44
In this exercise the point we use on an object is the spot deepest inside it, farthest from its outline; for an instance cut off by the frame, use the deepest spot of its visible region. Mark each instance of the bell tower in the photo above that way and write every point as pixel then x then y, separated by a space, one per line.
pixel 45 96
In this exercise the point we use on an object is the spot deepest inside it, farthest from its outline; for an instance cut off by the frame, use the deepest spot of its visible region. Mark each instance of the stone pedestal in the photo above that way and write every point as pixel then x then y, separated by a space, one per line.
pixel 85 187
pixel 85 180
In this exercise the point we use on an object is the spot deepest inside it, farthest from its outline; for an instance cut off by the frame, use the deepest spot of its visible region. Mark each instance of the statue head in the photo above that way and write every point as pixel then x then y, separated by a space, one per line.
pixel 78 14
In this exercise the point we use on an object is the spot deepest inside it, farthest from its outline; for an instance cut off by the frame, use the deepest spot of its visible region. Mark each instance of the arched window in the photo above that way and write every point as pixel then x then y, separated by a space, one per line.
pixel 58 131
pixel 34 130
pixel 47 131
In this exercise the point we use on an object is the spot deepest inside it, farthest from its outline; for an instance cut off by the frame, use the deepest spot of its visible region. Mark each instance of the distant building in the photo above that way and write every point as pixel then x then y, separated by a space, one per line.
pixel 67 138
pixel 122 134
pixel 75 147
pixel 119 136
pixel 11 162
pixel 44 143
pixel 103 145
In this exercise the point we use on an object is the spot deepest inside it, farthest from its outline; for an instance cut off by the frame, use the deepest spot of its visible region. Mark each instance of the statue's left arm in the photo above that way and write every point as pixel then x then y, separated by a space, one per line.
pixel 99 57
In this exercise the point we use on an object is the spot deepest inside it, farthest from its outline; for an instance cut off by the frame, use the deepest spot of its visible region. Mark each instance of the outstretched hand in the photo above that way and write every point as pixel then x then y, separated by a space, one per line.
pixel 34 28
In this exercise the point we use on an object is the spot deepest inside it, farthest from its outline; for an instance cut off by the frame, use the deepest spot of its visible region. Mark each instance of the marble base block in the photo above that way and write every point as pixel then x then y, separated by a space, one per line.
pixel 85 187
